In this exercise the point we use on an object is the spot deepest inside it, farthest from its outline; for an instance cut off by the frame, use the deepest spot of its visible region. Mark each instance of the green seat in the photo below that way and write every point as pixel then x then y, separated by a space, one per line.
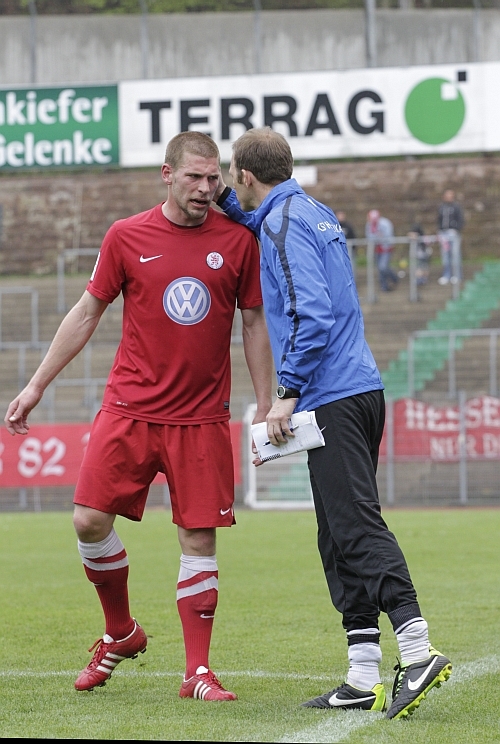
pixel 478 299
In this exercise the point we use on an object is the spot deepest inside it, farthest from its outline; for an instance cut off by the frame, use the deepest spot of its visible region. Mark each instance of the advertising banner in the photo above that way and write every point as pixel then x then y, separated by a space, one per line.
pixel 50 455
pixel 420 110
pixel 370 112
pixel 428 432
pixel 56 127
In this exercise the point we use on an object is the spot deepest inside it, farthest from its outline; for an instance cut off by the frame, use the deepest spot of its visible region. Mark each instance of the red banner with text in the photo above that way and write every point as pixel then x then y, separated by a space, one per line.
pixel 423 431
pixel 50 455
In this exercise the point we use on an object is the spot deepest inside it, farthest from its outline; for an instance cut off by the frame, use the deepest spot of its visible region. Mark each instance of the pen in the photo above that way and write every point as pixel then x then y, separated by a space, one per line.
pixel 292 428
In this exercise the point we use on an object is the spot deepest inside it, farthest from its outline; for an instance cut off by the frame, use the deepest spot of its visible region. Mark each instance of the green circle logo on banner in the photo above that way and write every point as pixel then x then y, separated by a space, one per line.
pixel 435 111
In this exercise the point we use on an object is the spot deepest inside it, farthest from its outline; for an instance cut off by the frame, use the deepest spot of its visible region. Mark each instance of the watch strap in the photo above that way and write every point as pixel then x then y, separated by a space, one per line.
pixel 286 392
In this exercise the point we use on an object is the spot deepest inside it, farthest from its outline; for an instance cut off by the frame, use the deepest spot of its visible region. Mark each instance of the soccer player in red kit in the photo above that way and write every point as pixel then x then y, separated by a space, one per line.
pixel 182 268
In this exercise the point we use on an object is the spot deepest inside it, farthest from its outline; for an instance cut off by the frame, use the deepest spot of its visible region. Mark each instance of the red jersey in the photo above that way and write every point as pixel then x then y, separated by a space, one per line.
pixel 180 288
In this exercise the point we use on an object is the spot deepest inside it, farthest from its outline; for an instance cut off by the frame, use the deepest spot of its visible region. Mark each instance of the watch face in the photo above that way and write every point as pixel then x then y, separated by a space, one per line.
pixel 281 391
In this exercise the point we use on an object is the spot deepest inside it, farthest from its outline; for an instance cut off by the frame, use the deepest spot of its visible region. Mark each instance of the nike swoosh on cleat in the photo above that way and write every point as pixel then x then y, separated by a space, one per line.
pixel 336 701
pixel 414 685
pixel 151 258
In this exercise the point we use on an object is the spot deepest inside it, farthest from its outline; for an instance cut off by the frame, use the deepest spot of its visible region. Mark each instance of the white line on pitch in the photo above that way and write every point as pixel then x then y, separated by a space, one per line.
pixel 461 673
pixel 342 724
pixel 254 674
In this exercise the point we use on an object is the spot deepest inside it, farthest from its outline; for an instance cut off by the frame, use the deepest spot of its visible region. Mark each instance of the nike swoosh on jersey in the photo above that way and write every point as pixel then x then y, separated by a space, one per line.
pixel 336 701
pixel 151 258
pixel 415 684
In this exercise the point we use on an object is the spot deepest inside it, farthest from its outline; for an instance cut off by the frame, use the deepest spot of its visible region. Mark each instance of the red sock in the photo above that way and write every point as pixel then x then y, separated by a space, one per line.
pixel 196 602
pixel 112 589
pixel 109 574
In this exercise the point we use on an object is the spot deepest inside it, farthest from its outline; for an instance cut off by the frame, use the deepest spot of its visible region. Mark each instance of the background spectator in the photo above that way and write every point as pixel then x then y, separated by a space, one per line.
pixel 450 224
pixel 424 253
pixel 345 225
pixel 381 231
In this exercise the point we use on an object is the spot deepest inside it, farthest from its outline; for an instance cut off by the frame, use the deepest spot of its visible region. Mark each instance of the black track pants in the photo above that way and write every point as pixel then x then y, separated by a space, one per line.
pixel 364 566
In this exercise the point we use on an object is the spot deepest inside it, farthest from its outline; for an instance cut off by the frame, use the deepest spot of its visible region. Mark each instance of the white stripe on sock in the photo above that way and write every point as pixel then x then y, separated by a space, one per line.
pixel 111 545
pixel 202 586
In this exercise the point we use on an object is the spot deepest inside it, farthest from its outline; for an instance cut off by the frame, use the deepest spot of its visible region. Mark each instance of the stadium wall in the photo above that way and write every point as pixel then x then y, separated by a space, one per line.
pixel 104 48
pixel 44 214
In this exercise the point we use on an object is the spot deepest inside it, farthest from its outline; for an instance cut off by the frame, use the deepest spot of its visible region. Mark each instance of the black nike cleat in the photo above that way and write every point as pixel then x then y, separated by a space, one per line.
pixel 347 697
pixel 414 681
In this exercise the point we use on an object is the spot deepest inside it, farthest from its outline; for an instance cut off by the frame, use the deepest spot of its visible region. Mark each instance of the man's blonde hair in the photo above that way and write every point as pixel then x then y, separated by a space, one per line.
pixel 265 153
pixel 196 143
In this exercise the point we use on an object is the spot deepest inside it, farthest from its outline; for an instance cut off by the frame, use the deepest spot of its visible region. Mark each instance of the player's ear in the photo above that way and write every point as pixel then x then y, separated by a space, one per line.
pixel 166 173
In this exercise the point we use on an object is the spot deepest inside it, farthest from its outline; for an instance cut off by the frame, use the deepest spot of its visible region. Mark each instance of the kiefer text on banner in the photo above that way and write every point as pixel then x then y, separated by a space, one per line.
pixel 58 127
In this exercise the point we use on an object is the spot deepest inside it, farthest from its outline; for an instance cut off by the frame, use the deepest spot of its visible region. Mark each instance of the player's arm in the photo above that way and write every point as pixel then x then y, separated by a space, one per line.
pixel 258 358
pixel 72 335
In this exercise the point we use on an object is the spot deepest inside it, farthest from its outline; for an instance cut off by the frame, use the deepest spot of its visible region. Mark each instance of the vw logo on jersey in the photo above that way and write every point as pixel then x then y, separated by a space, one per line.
pixel 186 301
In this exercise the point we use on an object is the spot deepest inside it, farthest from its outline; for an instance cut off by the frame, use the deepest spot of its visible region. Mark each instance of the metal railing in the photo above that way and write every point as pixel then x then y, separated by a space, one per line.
pixel 352 244
pixel 462 458
pixel 62 258
pixel 460 477
pixel 91 400
pixel 34 314
pixel 87 381
pixel 22 348
pixel 452 336
pixel 411 245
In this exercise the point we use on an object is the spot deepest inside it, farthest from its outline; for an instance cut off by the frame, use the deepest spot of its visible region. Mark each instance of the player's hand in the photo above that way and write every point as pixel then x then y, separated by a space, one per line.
pixel 256 460
pixel 16 418
pixel 278 421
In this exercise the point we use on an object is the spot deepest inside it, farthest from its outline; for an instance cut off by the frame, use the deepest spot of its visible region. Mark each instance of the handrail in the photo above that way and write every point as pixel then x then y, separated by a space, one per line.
pixel 371 295
pixel 452 335
pixel 34 311
pixel 61 270
pixel 412 243
pixel 42 346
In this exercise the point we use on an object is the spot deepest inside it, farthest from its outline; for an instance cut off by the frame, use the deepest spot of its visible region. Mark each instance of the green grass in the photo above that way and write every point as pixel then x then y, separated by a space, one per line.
pixel 277 640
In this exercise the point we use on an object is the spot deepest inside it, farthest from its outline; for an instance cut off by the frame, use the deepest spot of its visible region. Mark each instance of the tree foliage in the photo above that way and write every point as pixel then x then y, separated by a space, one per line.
pixel 65 7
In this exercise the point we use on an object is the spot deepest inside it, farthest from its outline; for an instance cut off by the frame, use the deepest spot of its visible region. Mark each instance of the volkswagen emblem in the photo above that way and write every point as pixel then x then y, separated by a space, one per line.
pixel 186 301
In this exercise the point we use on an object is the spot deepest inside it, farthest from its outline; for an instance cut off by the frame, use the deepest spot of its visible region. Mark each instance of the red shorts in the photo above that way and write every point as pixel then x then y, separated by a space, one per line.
pixel 123 457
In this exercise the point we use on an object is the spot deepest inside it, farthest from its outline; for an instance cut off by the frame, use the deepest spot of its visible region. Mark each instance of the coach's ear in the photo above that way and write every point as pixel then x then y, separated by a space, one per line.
pixel 166 173
pixel 247 177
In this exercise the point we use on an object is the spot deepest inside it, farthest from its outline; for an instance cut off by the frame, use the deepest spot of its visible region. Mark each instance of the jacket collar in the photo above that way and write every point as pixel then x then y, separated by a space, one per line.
pixel 275 197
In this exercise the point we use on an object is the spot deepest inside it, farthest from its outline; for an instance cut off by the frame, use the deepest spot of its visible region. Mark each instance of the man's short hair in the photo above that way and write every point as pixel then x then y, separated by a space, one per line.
pixel 196 143
pixel 265 153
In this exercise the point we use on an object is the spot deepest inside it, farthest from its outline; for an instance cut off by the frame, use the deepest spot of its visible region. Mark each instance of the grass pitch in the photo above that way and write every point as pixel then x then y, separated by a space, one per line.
pixel 277 641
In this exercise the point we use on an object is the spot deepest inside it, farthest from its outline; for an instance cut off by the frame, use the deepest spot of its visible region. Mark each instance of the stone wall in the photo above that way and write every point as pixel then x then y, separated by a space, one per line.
pixel 409 191
pixel 45 214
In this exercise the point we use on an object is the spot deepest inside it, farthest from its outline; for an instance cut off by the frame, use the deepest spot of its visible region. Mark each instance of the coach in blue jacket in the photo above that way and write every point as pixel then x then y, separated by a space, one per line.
pixel 324 363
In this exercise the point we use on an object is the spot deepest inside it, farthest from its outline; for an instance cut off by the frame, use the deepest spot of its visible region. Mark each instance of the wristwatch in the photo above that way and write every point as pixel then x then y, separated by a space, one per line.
pixel 284 392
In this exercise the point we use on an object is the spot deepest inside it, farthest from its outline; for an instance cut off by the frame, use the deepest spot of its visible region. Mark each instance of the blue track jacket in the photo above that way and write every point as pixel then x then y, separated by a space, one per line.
pixel 310 299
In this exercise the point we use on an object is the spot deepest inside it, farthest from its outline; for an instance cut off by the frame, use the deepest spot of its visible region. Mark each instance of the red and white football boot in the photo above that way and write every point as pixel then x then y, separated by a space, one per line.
pixel 204 685
pixel 109 653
